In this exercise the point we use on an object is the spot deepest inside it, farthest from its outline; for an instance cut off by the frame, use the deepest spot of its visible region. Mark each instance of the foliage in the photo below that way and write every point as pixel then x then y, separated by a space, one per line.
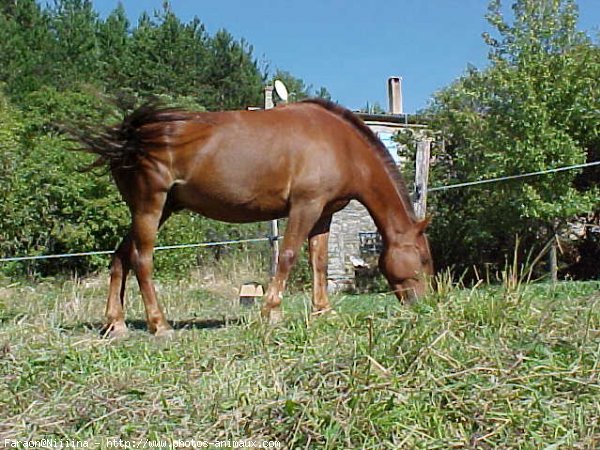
pixel 477 368
pixel 67 45
pixel 534 107
pixel 236 78
pixel 373 108
pixel 26 47
pixel 51 207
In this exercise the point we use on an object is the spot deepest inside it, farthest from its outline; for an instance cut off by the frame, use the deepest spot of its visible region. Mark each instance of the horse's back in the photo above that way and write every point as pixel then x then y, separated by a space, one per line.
pixel 251 165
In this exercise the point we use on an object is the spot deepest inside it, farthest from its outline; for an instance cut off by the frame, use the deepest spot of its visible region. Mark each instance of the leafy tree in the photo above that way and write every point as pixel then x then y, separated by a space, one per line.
pixel 10 130
pixel 48 205
pixel 535 107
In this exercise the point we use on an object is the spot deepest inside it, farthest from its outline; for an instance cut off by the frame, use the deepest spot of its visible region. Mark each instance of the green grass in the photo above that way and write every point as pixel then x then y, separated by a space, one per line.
pixel 482 368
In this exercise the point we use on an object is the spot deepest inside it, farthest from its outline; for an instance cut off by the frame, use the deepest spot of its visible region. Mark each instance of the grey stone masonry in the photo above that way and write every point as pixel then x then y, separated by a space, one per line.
pixel 344 241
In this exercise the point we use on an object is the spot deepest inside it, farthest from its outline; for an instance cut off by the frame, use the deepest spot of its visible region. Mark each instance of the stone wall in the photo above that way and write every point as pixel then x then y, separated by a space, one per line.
pixel 344 243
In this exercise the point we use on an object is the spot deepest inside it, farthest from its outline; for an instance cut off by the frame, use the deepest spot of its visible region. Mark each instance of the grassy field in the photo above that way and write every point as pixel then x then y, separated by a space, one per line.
pixel 510 366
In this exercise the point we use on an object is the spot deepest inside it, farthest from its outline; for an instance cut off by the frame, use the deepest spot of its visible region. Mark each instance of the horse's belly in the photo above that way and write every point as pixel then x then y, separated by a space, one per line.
pixel 230 205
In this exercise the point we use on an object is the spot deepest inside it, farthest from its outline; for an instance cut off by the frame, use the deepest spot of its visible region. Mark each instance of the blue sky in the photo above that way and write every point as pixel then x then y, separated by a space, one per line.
pixel 351 47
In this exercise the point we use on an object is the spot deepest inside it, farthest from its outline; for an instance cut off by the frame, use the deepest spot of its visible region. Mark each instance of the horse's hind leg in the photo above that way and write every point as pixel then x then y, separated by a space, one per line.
pixel 318 249
pixel 122 262
pixel 301 220
pixel 120 266
pixel 145 225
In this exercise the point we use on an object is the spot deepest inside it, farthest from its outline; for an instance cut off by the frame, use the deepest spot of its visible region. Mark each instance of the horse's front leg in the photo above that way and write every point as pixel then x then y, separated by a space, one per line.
pixel 301 220
pixel 318 253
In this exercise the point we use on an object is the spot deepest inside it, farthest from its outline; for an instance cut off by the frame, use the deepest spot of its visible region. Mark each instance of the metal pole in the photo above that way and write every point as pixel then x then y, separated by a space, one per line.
pixel 274 227
pixel 274 239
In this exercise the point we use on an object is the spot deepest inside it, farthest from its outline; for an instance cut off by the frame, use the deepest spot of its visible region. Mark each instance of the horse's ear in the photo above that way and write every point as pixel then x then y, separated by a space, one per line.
pixel 423 224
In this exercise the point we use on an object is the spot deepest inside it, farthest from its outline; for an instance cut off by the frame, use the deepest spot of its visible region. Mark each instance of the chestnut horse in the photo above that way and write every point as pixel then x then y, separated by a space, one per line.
pixel 304 161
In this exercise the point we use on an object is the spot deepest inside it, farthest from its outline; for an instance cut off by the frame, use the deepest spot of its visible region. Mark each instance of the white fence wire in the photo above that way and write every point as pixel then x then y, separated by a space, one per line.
pixel 513 177
pixel 109 252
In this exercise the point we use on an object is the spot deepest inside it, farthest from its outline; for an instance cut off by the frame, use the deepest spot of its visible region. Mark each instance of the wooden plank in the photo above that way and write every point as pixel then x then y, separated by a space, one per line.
pixel 421 177
pixel 553 260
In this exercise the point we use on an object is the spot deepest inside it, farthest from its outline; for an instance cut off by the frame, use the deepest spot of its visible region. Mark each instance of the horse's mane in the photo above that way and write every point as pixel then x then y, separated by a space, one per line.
pixel 375 143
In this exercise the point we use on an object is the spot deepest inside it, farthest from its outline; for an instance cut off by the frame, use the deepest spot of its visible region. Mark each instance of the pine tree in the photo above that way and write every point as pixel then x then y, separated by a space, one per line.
pixel 115 49
pixel 233 75
pixel 25 42
pixel 76 56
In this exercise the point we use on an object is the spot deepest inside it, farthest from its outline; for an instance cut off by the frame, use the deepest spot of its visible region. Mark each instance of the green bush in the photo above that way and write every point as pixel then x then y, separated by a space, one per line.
pixel 49 206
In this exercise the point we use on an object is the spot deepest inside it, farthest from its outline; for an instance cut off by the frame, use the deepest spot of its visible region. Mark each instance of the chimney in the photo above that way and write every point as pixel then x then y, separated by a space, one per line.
pixel 269 97
pixel 395 95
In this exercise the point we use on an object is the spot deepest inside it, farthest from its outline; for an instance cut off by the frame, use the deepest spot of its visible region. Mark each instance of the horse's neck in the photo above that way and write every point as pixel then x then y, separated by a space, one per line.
pixel 382 198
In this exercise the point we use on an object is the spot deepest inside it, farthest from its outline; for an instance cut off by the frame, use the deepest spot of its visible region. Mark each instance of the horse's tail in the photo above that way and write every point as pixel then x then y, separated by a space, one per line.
pixel 123 145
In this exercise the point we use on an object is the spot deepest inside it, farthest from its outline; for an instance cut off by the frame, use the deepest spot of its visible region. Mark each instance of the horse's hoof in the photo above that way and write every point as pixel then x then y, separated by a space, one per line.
pixel 273 316
pixel 114 331
pixel 276 317
pixel 164 333
pixel 326 312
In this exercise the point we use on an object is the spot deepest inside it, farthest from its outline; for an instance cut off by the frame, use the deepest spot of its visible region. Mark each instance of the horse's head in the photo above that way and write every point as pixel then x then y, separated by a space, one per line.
pixel 407 263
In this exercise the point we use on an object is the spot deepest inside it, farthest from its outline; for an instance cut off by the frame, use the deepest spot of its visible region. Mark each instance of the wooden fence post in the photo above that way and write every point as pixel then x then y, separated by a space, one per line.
pixel 274 226
pixel 421 177
pixel 553 260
